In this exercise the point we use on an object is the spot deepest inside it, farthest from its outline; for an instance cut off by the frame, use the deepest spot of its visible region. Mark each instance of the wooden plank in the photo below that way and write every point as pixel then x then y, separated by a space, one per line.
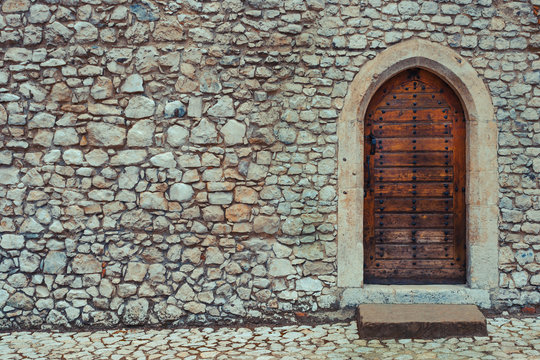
pixel 413 159
pixel 412 205
pixel 440 129
pixel 410 115
pixel 459 183
pixel 426 275
pixel 416 221
pixel 414 251
pixel 417 264
pixel 413 189
pixel 390 236
pixel 413 174
pixel 415 86
pixel 413 100
pixel 414 144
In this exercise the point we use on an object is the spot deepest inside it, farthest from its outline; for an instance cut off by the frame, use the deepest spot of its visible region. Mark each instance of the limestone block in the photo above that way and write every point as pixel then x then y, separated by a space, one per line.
pixel 12 241
pixel 140 107
pixel 133 84
pixel 153 200
pixel 168 29
pixel 177 135
pixel 214 256
pixel 135 271
pixel 9 175
pixel 42 120
pixel 102 88
pixel 233 132
pixel 28 262
pixel 13 6
pixel 128 157
pixel 195 107
pixel 18 54
pixel 280 267
pixel 103 110
pixel 55 262
pixel 223 108
pixel 20 301
pixel 309 284
pixel 97 157
pixel 181 192
pixel 135 312
pixel 246 195
pixel 238 213
pixel 220 198
pixel 66 137
pixel 165 160
pixel 141 134
pixel 73 157
pixel 256 171
pixel 85 32
pixel 105 134
pixel 204 133
pixel 85 264
pixel 209 82
pixel 313 251
pixel 292 226
pixel 266 224
pixel 39 14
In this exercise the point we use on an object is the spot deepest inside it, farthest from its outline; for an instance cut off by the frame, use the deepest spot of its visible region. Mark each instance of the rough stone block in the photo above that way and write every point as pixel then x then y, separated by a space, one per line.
pixel 424 321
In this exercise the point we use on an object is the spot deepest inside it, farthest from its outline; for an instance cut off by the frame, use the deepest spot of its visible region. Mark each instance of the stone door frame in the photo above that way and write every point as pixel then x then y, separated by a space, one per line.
pixel 481 148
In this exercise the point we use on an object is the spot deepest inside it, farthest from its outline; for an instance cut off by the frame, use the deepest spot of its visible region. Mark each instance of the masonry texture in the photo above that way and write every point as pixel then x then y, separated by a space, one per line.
pixel 176 161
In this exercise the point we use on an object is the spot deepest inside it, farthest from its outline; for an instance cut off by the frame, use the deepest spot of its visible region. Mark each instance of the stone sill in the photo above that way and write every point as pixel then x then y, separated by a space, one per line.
pixel 415 294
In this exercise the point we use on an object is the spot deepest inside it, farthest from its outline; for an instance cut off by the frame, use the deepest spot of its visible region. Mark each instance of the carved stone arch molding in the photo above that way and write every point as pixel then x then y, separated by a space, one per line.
pixel 481 172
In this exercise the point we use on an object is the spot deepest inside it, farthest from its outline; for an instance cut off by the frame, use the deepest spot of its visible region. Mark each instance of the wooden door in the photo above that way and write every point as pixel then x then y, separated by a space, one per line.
pixel 414 178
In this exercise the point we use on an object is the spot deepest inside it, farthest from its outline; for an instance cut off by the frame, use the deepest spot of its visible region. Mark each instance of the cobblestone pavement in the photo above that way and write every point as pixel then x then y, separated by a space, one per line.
pixel 508 339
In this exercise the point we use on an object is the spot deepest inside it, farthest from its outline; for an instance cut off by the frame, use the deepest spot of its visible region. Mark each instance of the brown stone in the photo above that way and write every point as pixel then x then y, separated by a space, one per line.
pixel 423 321
pixel 168 29
pixel 60 92
pixel 266 224
pixel 85 264
pixel 103 88
pixel 3 115
pixel 245 195
pixel 11 6
pixel 238 213
pixel 73 108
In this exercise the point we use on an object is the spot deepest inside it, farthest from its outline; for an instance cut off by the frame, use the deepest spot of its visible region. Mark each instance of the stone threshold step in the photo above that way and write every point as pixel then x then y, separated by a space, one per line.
pixel 419 321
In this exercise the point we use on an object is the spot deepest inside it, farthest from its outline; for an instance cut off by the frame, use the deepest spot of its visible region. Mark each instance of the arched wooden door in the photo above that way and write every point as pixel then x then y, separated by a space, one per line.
pixel 414 179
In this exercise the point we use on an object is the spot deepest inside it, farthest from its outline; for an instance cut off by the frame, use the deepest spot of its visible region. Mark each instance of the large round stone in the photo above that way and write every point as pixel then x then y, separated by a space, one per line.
pixel 181 192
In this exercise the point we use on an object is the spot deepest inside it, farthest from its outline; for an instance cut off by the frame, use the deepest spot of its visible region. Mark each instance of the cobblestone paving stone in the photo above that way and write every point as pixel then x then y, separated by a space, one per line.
pixel 508 339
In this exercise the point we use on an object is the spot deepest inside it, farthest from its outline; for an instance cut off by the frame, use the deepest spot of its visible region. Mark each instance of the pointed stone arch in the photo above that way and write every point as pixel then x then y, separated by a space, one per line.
pixel 481 143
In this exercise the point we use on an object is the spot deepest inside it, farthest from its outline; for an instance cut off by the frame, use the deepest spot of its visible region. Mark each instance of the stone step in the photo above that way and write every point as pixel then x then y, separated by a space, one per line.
pixel 419 321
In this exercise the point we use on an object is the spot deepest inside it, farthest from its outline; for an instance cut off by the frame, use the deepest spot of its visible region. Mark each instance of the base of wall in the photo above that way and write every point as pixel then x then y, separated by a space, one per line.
pixel 415 294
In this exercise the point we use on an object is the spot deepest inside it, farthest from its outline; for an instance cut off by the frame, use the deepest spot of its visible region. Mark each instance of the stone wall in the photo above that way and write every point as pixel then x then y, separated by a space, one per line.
pixel 175 161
